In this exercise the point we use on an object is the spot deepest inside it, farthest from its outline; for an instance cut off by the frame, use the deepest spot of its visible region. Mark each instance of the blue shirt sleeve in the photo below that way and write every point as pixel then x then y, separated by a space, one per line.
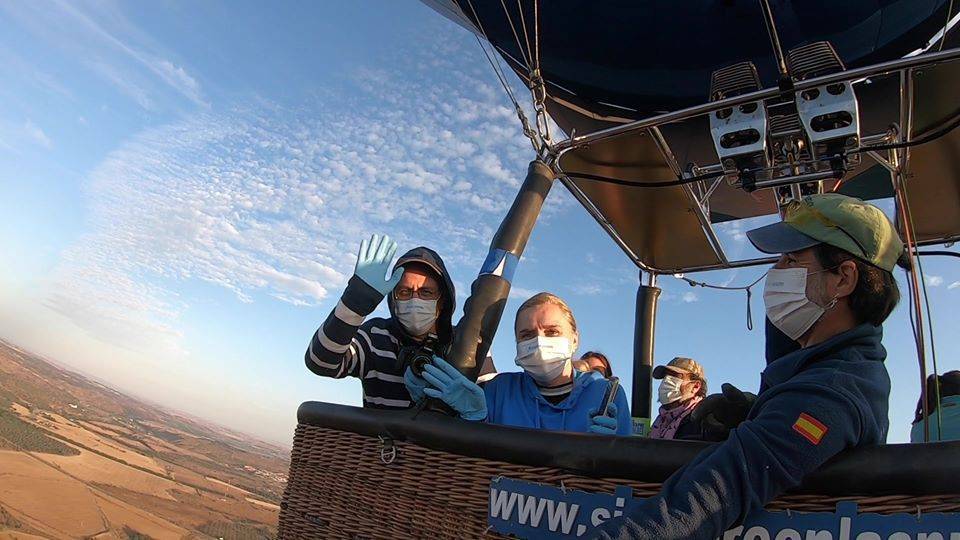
pixel 794 432
pixel 624 422
pixel 490 390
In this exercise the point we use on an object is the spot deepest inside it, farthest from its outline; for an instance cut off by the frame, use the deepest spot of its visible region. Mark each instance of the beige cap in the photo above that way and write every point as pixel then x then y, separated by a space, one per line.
pixel 680 365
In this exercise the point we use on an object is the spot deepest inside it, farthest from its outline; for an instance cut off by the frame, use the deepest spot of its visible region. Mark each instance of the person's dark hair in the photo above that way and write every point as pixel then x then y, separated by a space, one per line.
pixel 876 292
pixel 602 357
pixel 949 386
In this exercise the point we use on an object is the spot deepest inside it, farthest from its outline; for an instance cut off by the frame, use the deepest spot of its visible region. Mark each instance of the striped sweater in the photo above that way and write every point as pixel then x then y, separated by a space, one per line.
pixel 348 346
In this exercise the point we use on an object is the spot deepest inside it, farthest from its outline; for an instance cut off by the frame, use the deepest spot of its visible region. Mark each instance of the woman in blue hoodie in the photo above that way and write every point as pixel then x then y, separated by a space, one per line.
pixel 548 394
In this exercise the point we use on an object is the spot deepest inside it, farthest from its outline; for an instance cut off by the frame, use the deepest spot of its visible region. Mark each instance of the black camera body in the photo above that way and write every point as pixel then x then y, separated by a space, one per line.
pixel 419 355
pixel 416 357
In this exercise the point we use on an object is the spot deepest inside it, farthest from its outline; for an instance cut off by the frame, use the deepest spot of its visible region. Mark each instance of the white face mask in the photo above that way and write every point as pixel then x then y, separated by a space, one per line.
pixel 544 358
pixel 786 302
pixel 417 316
pixel 670 390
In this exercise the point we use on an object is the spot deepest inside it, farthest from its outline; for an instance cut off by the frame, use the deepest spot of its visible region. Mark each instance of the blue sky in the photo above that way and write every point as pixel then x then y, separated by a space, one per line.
pixel 184 186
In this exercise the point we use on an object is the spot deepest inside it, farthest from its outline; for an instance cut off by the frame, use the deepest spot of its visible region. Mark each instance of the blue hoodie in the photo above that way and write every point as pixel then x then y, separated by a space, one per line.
pixel 813 403
pixel 513 399
pixel 949 420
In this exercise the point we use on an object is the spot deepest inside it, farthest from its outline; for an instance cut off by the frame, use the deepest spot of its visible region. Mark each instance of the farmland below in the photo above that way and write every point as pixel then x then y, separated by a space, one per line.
pixel 79 459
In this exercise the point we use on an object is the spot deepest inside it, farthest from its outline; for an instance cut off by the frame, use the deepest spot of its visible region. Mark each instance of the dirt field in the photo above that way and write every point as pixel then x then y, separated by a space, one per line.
pixel 55 505
pixel 72 467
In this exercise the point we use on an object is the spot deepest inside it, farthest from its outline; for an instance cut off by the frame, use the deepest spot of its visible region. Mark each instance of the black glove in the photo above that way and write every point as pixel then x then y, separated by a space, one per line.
pixel 717 414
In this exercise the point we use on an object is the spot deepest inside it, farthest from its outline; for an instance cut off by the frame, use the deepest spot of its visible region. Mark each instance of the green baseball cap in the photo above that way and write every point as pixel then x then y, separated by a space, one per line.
pixel 848 223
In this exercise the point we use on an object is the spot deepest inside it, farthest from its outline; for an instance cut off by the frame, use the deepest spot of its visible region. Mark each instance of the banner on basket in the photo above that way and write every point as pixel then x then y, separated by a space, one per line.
pixel 535 511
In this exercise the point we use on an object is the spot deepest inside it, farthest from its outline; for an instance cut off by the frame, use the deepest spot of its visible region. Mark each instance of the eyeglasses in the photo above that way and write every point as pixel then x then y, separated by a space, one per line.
pixel 423 293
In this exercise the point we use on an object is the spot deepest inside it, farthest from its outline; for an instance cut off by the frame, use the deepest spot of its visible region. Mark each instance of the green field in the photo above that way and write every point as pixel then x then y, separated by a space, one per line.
pixel 15 434
pixel 237 530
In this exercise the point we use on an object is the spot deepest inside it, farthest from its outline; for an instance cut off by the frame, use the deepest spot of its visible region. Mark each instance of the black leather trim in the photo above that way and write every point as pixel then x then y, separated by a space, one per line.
pixel 907 469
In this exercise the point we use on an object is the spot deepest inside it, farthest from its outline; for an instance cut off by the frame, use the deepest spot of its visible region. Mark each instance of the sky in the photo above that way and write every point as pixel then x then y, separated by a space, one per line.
pixel 184 186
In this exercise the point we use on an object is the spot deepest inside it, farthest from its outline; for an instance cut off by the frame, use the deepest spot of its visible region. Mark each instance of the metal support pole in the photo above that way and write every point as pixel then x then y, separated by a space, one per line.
pixel 643 341
pixel 489 292
pixel 906 119
pixel 898 179
pixel 775 42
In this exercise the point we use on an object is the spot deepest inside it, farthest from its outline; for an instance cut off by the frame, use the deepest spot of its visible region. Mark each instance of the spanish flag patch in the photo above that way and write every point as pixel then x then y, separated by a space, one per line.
pixel 811 428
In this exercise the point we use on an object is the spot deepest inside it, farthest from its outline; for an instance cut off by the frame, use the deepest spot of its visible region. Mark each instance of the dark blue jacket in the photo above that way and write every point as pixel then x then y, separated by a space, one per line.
pixel 813 403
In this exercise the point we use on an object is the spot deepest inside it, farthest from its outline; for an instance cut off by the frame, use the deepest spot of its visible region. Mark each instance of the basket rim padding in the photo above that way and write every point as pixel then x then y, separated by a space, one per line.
pixel 920 469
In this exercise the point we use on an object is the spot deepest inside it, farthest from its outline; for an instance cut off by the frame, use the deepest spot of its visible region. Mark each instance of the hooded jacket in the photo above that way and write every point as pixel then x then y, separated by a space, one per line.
pixel 513 399
pixel 813 403
pixel 348 344
pixel 448 301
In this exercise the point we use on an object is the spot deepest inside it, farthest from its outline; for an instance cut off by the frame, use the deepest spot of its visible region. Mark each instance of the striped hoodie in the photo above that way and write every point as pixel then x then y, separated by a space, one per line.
pixel 348 345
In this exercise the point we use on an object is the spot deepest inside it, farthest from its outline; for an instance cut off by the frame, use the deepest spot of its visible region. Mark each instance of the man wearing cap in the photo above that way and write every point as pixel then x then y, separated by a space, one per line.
pixel 830 291
pixel 682 388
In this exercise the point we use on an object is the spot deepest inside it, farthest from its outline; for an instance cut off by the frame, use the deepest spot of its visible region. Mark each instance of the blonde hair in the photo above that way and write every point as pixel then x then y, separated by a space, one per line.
pixel 542 298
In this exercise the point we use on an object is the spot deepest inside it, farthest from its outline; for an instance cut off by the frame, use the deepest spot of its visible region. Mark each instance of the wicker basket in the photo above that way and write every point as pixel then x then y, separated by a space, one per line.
pixel 346 485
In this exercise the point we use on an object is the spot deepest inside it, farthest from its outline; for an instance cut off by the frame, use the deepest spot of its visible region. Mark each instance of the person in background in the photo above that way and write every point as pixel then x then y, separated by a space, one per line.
pixel 944 416
pixel 549 393
pixel 421 298
pixel 594 361
pixel 682 388
pixel 830 291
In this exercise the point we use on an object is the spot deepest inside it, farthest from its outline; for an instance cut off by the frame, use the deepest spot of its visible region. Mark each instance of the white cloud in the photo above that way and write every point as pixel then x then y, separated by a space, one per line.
pixel 35 134
pixel 174 76
pixel 124 84
pixel 733 229
pixel 268 201
pixel 587 289
pixel 934 281
pixel 521 293
pixel 954 285
pixel 112 46
pixel 31 73
pixel 178 78
pixel 489 164
pixel 689 297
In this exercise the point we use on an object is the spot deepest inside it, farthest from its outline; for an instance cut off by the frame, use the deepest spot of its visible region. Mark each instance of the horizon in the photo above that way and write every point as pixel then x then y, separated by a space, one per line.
pixel 184 200
pixel 285 445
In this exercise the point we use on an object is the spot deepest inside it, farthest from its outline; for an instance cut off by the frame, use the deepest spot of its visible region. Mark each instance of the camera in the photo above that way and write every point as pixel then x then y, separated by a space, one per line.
pixel 419 355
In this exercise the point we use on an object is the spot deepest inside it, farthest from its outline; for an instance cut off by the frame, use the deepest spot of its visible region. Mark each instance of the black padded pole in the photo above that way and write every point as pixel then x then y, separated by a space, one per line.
pixel 643 341
pixel 488 294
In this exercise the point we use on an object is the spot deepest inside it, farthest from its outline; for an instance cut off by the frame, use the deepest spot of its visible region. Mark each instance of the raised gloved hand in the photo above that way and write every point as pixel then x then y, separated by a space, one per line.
pixel 373 262
pixel 415 385
pixel 717 414
pixel 450 386
pixel 604 425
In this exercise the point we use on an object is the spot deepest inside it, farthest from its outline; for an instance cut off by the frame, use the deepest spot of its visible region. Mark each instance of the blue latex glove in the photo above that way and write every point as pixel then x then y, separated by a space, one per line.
pixel 373 262
pixel 604 425
pixel 414 384
pixel 451 387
